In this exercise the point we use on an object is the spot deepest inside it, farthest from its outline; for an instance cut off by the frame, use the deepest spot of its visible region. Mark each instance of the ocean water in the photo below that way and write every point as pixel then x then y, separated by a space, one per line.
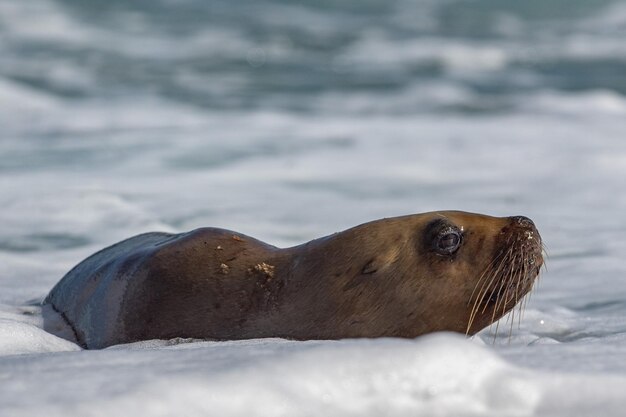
pixel 290 120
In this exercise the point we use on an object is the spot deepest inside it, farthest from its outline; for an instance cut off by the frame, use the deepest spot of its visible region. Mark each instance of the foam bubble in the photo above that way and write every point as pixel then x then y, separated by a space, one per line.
pixel 17 338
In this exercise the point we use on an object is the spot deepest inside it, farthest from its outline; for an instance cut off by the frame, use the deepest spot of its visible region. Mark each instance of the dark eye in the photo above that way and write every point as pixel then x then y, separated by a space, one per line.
pixel 448 241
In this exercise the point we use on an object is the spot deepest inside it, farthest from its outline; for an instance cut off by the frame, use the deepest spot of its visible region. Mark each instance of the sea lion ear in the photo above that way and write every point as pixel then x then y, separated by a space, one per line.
pixel 370 269
pixel 364 274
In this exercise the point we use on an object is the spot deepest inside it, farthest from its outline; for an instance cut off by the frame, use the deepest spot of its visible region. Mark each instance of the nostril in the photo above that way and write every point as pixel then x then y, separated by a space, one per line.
pixel 522 221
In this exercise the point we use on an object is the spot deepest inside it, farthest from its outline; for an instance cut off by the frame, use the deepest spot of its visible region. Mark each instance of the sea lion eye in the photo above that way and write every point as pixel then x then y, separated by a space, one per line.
pixel 448 241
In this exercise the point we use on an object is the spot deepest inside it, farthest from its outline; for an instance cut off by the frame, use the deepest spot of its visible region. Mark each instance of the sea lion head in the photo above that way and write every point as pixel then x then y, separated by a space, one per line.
pixel 477 267
pixel 438 271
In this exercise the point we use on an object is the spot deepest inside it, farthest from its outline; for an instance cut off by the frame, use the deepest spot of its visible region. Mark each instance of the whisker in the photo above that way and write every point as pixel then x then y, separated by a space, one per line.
pixel 505 286
pixel 517 299
pixel 487 279
pixel 485 285
pixel 500 300
pixel 482 276
pixel 503 262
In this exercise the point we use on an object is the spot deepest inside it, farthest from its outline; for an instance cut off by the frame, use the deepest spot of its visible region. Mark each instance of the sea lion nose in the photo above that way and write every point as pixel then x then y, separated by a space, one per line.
pixel 522 221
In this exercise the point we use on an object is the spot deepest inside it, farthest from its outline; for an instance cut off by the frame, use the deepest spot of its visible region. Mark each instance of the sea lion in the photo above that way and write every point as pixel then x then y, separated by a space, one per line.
pixel 402 276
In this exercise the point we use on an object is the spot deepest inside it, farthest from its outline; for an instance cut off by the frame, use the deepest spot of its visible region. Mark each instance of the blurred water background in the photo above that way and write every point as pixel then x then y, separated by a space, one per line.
pixel 289 120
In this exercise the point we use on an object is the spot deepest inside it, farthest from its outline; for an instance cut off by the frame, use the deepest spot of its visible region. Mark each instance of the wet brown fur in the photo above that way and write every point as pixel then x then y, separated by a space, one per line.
pixel 378 279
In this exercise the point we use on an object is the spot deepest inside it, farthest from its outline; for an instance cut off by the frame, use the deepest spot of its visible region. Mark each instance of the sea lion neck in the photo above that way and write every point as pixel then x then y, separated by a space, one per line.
pixel 335 282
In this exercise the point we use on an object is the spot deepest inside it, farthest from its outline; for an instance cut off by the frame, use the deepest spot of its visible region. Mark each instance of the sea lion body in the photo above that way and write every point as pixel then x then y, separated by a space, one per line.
pixel 390 277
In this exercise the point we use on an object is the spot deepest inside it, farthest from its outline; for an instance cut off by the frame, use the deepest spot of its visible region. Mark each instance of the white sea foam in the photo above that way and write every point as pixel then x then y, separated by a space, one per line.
pixel 597 103
pixel 48 22
pixel 20 338
pixel 453 55
pixel 436 375
pixel 23 99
